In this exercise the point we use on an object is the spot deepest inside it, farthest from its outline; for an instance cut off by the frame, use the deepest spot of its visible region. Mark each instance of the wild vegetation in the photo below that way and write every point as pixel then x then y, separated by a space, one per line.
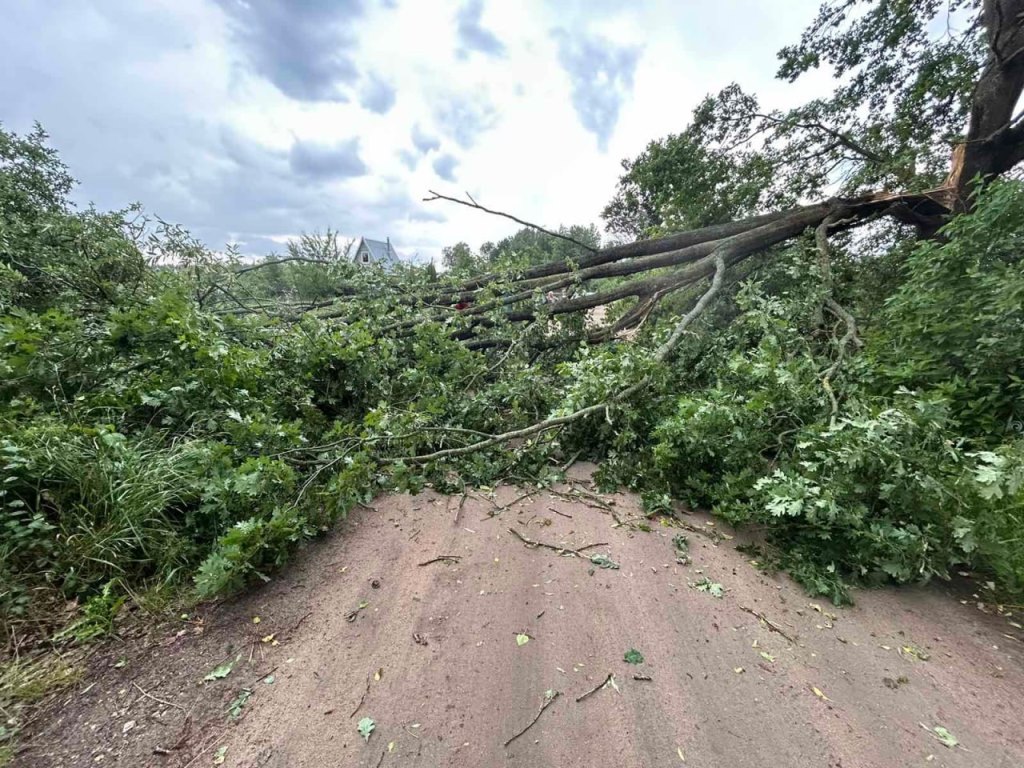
pixel 846 374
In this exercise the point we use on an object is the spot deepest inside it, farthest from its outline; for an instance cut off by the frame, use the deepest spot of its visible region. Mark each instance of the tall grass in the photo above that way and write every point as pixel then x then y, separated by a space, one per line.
pixel 105 506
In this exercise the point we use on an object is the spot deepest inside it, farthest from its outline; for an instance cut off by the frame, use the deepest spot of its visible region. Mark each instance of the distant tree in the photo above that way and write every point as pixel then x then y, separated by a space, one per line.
pixel 528 247
pixel 325 247
pixel 679 183
pixel 459 258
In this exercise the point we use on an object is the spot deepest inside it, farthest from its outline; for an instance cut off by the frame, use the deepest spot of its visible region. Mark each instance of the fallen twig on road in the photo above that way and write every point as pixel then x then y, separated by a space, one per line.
pixel 599 686
pixel 499 509
pixel 154 698
pixel 555 548
pixel 768 623
pixel 363 697
pixel 458 511
pixel 592 501
pixel 441 559
pixel 549 699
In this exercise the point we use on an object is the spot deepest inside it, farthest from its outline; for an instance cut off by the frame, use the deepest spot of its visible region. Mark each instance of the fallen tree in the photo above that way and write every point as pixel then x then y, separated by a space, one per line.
pixel 845 373
pixel 992 145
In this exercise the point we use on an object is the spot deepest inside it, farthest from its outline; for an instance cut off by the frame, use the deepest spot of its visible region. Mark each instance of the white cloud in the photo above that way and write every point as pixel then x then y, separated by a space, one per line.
pixel 252 121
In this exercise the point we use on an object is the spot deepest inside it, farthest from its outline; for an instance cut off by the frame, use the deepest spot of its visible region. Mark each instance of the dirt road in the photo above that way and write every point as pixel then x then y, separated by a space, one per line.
pixel 435 657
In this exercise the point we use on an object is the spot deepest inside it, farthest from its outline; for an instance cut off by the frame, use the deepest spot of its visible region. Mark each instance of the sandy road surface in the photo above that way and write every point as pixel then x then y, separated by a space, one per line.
pixel 454 685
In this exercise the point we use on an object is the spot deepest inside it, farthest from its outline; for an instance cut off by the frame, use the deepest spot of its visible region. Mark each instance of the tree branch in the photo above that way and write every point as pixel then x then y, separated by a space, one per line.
pixel 842 138
pixel 663 353
pixel 474 204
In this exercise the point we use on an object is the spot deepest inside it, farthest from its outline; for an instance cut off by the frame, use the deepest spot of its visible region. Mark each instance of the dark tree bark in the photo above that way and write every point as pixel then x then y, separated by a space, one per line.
pixel 995 138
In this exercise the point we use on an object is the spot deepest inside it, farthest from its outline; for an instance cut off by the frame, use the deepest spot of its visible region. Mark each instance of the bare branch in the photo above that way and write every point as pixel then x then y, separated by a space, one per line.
pixel 474 204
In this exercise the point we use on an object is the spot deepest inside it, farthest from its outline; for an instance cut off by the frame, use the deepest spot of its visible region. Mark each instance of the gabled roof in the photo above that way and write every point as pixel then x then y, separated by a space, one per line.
pixel 381 252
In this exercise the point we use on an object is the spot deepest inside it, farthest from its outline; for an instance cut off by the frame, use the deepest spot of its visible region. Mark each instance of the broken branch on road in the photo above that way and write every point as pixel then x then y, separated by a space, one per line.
pixel 554 548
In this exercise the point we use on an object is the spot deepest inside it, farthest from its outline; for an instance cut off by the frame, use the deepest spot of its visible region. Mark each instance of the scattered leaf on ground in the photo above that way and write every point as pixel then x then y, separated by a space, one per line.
pixel 604 561
pixel 633 656
pixel 522 639
pixel 943 735
pixel 682 546
pixel 914 652
pixel 713 588
pixel 269 680
pixel 220 672
pixel 679 751
pixel 817 692
pixel 219 755
pixel 739 670
pixel 895 684
pixel 767 656
pixel 238 703
pixel 365 727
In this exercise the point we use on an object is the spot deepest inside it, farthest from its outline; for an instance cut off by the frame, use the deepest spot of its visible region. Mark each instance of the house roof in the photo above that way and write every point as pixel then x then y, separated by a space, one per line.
pixel 381 252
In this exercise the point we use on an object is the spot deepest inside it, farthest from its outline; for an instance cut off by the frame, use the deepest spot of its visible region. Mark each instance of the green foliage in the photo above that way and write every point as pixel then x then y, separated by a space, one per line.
pixel 713 588
pixel 903 73
pixel 891 491
pixel 527 247
pixel 954 326
pixel 97 619
pixel 682 182
pixel 365 727
pixel 459 258
pixel 220 671
pixel 249 547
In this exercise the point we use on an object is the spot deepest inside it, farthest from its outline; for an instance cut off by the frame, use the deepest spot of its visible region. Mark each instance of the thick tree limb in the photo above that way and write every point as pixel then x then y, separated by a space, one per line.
pixel 732 247
pixel 629 250
pixel 993 143
pixel 672 342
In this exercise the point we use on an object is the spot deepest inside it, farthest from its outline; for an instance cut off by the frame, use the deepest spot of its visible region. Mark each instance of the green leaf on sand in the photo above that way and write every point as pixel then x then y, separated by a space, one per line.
pixel 220 672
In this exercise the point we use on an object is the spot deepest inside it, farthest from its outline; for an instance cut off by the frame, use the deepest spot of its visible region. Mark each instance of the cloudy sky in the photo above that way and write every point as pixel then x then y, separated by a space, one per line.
pixel 250 121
